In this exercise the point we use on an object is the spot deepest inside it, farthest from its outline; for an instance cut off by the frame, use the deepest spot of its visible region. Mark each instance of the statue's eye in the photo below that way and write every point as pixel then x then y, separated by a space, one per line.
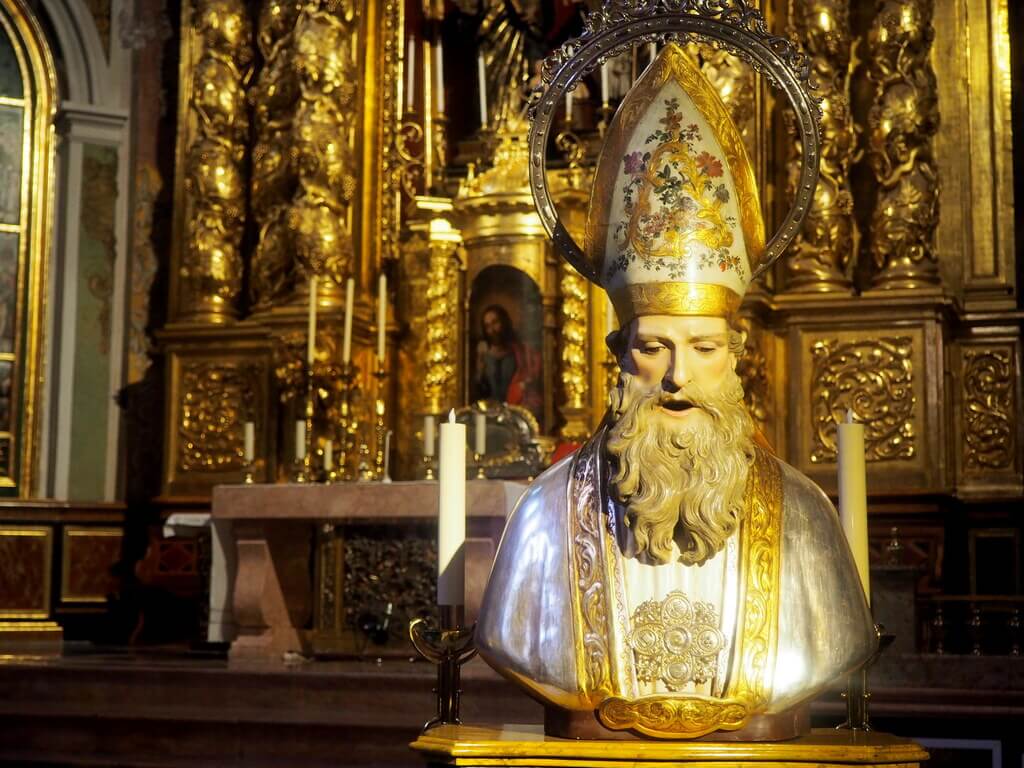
pixel 652 349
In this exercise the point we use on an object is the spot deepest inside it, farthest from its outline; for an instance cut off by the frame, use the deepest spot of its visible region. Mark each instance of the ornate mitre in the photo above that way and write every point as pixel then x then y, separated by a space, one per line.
pixel 674 225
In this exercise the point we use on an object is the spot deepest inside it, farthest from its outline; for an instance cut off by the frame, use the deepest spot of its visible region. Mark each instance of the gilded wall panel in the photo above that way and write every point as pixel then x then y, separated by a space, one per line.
pixel 26 556
pixel 213 397
pixel 88 554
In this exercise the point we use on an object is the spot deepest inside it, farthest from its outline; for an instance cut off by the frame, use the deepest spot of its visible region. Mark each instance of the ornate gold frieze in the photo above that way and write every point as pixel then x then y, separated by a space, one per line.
pixel 902 124
pixel 218 53
pixel 214 398
pixel 873 380
pixel 829 238
pixel 988 413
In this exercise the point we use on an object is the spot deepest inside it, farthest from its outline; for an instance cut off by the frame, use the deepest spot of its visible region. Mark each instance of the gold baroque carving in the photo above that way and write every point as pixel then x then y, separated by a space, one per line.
pixel 752 368
pixel 872 379
pixel 574 290
pixel 442 317
pixel 988 412
pixel 214 397
pixel 902 122
pixel 827 242
pixel 211 269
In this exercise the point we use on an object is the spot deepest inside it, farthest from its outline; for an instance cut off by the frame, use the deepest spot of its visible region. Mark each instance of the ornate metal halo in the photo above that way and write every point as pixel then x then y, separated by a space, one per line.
pixel 729 24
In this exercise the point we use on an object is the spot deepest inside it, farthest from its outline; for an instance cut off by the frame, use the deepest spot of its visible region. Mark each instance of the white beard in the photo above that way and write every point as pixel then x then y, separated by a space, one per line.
pixel 682 484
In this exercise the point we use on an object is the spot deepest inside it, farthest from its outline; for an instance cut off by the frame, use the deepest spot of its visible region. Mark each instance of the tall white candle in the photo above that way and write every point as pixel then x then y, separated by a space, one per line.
pixel 604 84
pixel 311 330
pixel 481 76
pixel 428 436
pixel 250 441
pixel 346 342
pixel 439 73
pixel 382 316
pixel 410 74
pixel 568 107
pixel 329 455
pixel 853 499
pixel 480 433
pixel 451 525
pixel 387 456
pixel 300 439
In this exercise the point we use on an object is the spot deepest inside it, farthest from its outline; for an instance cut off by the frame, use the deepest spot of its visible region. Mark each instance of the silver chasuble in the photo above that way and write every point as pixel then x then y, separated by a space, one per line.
pixel 673 650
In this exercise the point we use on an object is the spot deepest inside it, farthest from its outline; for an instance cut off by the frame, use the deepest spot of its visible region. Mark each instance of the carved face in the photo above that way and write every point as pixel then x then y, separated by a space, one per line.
pixel 675 352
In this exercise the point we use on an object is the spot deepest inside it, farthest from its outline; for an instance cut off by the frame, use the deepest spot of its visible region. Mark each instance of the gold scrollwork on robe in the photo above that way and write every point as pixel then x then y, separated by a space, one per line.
pixel 902 123
pixel 827 243
pixel 988 412
pixel 872 378
pixel 211 268
pixel 752 664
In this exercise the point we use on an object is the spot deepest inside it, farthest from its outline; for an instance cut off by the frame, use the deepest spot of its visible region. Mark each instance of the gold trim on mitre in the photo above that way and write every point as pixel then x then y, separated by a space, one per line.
pixel 704 299
pixel 672 62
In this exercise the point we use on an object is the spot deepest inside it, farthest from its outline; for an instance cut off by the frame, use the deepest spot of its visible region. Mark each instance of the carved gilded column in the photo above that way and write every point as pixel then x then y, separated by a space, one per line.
pixel 210 274
pixel 902 123
pixel 439 381
pixel 819 258
pixel 303 166
pixel 575 370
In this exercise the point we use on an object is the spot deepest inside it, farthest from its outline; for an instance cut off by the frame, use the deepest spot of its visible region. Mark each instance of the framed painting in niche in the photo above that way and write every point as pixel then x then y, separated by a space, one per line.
pixel 506 341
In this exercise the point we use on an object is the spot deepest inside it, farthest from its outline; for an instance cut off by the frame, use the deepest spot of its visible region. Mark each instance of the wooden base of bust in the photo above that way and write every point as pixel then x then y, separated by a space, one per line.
pixel 569 724
pixel 524 745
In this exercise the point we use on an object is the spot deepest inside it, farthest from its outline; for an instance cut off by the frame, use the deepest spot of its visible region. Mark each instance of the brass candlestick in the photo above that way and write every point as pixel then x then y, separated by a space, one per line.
pixel 449 648
pixel 478 459
pixel 248 472
pixel 380 429
pixel 347 421
pixel 428 462
pixel 857 694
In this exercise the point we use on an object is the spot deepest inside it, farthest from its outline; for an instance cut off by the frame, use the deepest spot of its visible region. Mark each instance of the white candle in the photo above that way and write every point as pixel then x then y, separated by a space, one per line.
pixel 568 107
pixel 382 316
pixel 387 456
pixel 428 436
pixel 346 342
pixel 652 51
pixel 410 74
pixel 481 76
pixel 439 70
pixel 480 432
pixel 853 499
pixel 250 441
pixel 311 330
pixel 300 439
pixel 604 84
pixel 451 525
pixel 329 455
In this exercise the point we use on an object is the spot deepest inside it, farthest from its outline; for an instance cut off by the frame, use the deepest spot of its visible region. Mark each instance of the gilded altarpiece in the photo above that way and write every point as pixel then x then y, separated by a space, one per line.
pixel 285 171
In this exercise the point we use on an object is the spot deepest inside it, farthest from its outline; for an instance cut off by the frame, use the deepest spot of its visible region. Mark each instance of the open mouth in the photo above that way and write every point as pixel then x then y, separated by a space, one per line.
pixel 677 406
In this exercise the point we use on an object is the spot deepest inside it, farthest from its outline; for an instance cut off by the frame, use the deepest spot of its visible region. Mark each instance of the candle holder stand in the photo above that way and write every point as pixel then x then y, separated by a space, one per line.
pixel 428 464
pixel 249 472
pixel 857 693
pixel 347 422
pixel 606 117
pixel 478 459
pixel 307 459
pixel 449 647
pixel 380 428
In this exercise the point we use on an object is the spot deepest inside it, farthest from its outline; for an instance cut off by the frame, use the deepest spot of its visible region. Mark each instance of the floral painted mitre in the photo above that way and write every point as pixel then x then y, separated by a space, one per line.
pixel 674 226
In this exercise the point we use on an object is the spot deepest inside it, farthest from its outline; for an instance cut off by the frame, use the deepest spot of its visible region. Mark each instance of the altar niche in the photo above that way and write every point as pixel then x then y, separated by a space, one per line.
pixel 507 360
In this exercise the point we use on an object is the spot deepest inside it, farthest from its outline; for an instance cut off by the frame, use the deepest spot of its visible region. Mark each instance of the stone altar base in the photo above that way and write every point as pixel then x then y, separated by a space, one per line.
pixel 527 745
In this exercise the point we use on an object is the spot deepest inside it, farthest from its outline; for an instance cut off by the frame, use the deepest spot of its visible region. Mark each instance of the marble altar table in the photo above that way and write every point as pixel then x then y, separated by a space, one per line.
pixel 271 587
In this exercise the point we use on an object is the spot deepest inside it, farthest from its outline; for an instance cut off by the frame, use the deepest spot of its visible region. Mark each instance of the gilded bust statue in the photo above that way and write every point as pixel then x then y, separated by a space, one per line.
pixel 674 578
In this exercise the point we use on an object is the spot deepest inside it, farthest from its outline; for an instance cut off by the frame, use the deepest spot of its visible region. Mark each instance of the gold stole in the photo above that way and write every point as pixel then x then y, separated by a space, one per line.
pixel 604 664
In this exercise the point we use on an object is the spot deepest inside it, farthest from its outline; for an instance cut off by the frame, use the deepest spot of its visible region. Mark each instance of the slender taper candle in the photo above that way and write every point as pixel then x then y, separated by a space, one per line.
pixel 451 526
pixel 480 433
pixel 250 441
pixel 428 436
pixel 346 341
pixel 382 317
pixel 481 74
pixel 853 498
pixel 311 330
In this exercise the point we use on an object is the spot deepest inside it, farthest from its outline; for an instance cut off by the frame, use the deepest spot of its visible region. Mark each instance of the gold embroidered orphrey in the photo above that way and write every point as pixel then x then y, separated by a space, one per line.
pixel 602 628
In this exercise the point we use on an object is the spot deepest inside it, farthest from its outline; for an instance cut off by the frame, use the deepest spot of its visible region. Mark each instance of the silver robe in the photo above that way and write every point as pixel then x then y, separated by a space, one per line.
pixel 528 628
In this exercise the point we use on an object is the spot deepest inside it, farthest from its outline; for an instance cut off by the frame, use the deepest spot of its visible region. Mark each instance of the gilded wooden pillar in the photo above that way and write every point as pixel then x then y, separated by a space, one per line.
pixel 305 105
pixel 902 123
pixel 440 385
pixel 210 274
pixel 575 369
pixel 819 259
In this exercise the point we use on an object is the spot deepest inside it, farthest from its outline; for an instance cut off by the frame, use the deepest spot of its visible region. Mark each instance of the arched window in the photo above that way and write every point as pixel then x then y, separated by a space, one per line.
pixel 27 89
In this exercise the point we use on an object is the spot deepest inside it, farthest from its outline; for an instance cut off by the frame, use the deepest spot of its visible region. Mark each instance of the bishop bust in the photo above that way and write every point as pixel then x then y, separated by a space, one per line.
pixel 673 578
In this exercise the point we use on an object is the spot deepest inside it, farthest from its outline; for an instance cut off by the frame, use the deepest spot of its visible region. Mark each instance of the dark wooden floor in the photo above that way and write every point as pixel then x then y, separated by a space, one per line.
pixel 164 708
